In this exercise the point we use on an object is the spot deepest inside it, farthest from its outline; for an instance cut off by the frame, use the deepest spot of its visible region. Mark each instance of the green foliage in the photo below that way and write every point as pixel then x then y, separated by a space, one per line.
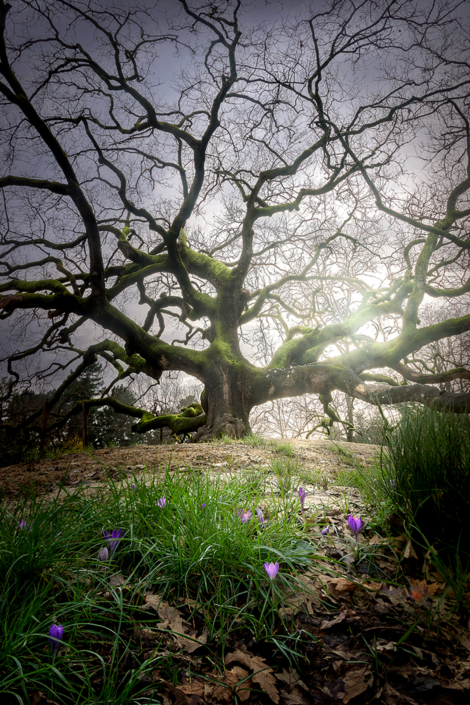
pixel 105 427
pixel 286 448
pixel 369 482
pixel 208 554
pixel 453 565
pixel 204 557
pixel 254 440
pixel 426 473
pixel 108 428
pixel 18 446
pixel 225 440
pixel 287 472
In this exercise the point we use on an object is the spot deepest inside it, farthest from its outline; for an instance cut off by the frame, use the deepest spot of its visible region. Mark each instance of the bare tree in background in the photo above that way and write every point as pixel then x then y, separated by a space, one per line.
pixel 199 188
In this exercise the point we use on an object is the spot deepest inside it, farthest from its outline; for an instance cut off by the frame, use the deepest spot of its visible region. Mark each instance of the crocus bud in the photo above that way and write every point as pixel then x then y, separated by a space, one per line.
pixel 162 502
pixel 104 554
pixel 302 495
pixel 113 538
pixel 325 530
pixel 56 633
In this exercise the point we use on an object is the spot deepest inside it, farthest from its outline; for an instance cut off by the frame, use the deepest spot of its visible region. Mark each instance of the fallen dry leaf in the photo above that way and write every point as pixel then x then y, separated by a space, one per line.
pixel 421 590
pixel 356 682
pixel 117 580
pixel 144 634
pixel 464 638
pixel 168 613
pixel 393 697
pixel 461 685
pixel 375 587
pixel 294 697
pixel 192 643
pixel 376 540
pixel 223 692
pixel 233 677
pixel 262 675
pixel 192 686
pixel 218 694
pixel 389 646
pixel 153 600
pixel 291 679
pixel 301 594
pixel 182 631
pixel 395 595
pixel 410 551
pixel 333 622
pixel 341 587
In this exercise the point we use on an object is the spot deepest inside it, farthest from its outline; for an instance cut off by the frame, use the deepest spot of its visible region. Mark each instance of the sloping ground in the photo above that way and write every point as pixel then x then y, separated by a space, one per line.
pixel 376 624
pixel 91 467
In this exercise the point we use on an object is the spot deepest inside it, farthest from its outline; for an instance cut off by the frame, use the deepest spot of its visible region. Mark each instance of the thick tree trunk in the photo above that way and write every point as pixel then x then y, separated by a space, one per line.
pixel 227 402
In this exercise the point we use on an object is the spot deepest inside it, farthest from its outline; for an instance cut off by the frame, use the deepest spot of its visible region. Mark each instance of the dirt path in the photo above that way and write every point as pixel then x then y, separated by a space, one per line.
pixel 91 468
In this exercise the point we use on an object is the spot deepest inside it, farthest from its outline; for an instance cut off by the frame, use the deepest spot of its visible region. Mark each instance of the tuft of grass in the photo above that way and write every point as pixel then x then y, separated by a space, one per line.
pixel 314 476
pixel 252 439
pixel 287 449
pixel 226 440
pixel 287 472
pixel 345 453
pixel 426 473
pixel 372 488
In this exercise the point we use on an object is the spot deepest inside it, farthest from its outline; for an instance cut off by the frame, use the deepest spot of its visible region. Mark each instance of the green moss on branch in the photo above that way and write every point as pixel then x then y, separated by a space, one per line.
pixel 188 420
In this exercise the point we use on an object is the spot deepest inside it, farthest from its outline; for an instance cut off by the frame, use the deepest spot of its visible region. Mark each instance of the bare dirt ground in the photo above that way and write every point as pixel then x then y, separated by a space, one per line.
pixel 92 467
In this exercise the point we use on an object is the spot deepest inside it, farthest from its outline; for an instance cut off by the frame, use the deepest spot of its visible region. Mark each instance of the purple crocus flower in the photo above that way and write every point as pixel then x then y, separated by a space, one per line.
pixel 325 530
pixel 23 525
pixel 245 515
pixel 260 515
pixel 271 569
pixel 302 495
pixel 355 524
pixel 113 538
pixel 104 554
pixel 203 505
pixel 161 502
pixel 56 633
pixel 132 486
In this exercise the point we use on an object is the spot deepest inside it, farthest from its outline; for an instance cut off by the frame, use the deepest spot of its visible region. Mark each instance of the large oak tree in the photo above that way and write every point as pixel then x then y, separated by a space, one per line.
pixel 262 200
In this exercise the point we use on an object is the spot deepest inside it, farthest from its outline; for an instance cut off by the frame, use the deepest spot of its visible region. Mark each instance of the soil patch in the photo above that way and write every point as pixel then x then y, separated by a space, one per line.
pixel 94 467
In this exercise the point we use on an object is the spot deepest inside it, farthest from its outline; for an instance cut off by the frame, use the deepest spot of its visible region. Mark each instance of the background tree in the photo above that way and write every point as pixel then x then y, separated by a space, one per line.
pixel 236 200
